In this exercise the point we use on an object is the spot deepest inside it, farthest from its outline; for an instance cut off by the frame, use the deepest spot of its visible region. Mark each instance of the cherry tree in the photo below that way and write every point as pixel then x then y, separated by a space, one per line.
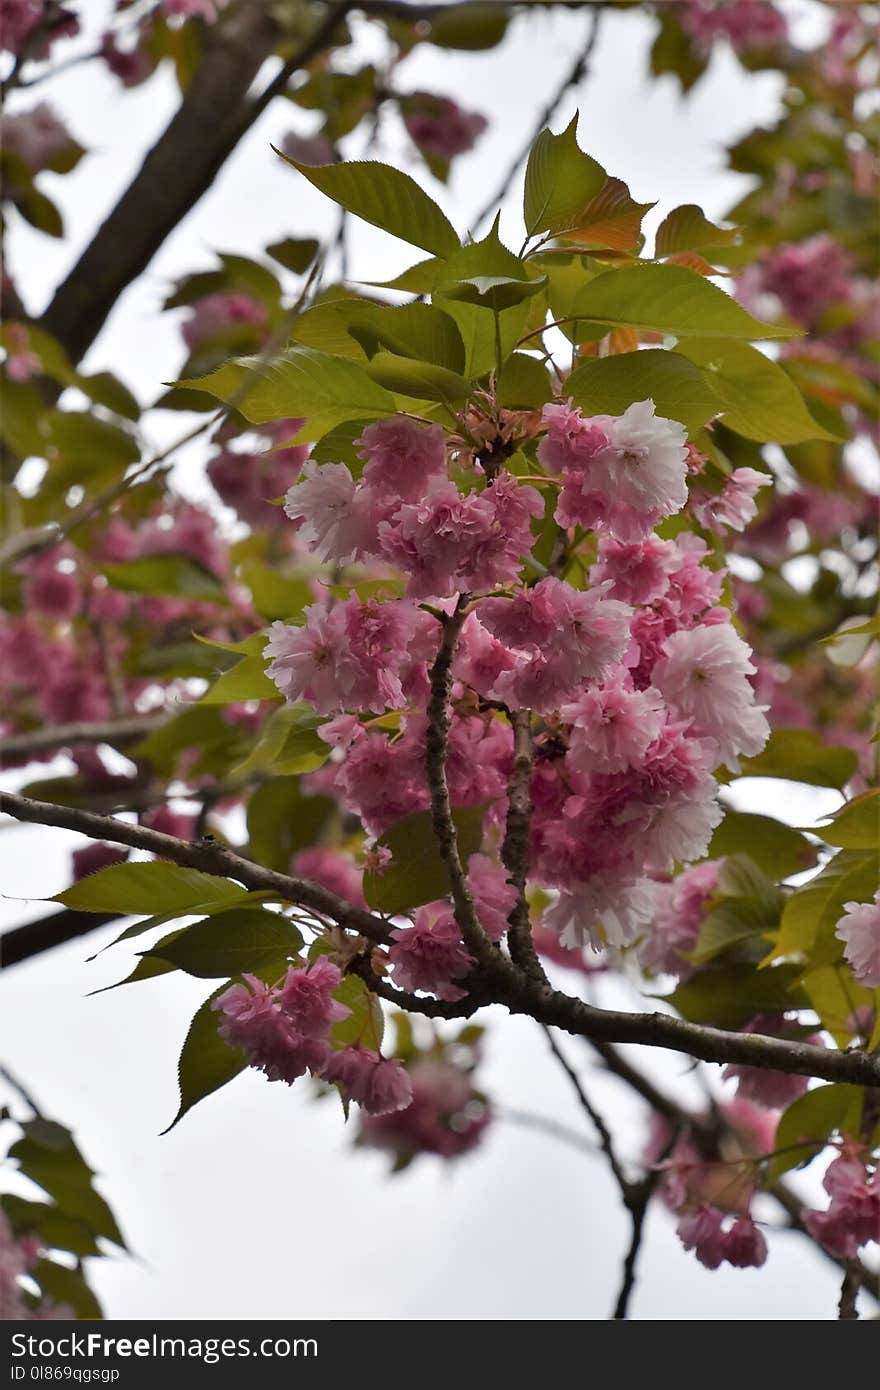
pixel 519 562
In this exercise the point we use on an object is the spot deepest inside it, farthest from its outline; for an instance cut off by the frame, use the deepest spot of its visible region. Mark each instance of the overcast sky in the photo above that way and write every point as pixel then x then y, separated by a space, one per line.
pixel 255 1206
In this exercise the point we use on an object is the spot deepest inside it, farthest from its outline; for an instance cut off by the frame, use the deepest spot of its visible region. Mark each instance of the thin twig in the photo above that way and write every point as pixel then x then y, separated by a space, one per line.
pixel 576 74
pixel 25 1095
pixel 515 849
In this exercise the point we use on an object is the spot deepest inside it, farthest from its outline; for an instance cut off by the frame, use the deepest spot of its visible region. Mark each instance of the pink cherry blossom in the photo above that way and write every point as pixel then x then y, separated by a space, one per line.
pixel 217 312
pixel 598 915
pixel 306 996
pixel 746 24
pixel 638 573
pixel 743 1245
pixel 704 676
pixel 446 1115
pixel 701 1231
pixel 251 1021
pixel 734 506
pixel 402 457
pixel 859 930
pixel 351 656
pixel 612 725
pixel 680 910
pixel 430 954
pixel 771 1090
pixel 571 439
pixel 439 126
pixel 633 481
pixel 332 870
pixel 379 1085
pixel 338 519
pixel 853 1216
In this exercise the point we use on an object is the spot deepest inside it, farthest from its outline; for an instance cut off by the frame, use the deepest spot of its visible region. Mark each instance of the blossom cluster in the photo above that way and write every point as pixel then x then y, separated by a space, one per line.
pixel 746 24
pixel 284 1031
pixel 641 682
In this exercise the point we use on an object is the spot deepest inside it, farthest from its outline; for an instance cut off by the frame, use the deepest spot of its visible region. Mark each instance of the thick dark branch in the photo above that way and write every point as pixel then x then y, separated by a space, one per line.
pixel 515 850
pixel 693 1039
pixel 21 943
pixel 66 735
pixel 207 855
pixel 503 983
pixel 484 953
pixel 213 117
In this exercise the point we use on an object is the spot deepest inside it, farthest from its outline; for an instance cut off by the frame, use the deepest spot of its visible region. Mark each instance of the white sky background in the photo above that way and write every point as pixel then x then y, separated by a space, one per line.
pixel 256 1206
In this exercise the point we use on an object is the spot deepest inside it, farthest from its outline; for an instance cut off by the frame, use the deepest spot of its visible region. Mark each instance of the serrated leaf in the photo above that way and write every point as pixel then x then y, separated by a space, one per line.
pixel 151 887
pixel 728 996
pixel 303 382
pixel 799 755
pixel 775 847
pixel 387 198
pixel 175 575
pixel 420 380
pixel 814 1117
pixel 756 398
pixel 524 383
pixel 206 1061
pixel 560 182
pixel 610 221
pixel 857 824
pixel 687 228
pixel 668 299
pixel 48 1155
pixel 812 912
pixel 416 873
pixel 608 385
pixel 244 940
pixel 246 680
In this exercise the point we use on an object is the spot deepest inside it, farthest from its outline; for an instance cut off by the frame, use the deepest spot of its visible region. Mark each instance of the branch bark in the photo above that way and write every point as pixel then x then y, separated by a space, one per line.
pixel 515 850
pixel 503 982
pixel 65 735
pixel 207 855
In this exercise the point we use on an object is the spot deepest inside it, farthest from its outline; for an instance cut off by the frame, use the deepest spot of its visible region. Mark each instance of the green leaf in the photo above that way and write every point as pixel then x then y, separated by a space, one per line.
pixel 416 873
pixel 420 380
pixel 729 996
pixel 178 576
pixel 495 292
pixel 812 912
pixel 756 397
pixel 288 743
pixel 152 887
pixel 560 181
pixel 365 1024
pixel 729 924
pixel 276 595
pixel 524 383
pixel 302 382
pixel 281 820
pixel 814 1116
pixel 471 27
pixel 294 253
pixel 688 229
pixel 47 1154
pixel 607 385
pixel 387 198
pixel 206 1061
pixel 799 755
pixel 67 1288
pixel 246 680
pixel 857 824
pixel 420 331
pixel 57 1230
pixel 775 847
pixel 612 221
pixel 233 943
pixel 668 299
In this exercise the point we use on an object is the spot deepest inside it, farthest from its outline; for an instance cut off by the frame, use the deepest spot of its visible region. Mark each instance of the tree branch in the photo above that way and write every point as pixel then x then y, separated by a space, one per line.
pixel 476 940
pixel 212 118
pixel 207 855
pixel 515 849
pixel 65 735
pixel 576 74
pixel 503 983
